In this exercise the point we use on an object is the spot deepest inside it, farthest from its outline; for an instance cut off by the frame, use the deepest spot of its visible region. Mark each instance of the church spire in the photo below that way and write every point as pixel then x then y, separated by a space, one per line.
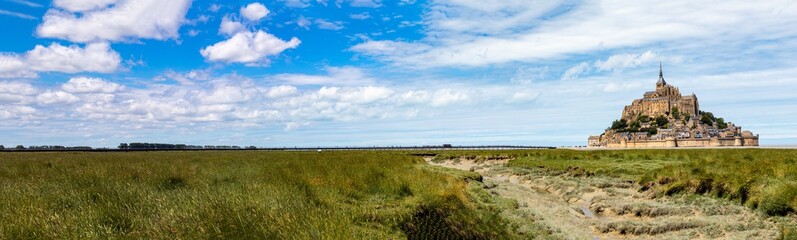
pixel 661 81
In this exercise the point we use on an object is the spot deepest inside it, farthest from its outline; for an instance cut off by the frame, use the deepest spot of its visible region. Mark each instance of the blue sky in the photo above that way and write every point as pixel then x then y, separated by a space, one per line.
pixel 369 72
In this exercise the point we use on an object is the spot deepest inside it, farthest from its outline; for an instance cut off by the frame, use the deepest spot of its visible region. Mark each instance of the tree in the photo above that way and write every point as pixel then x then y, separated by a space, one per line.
pixel 123 146
pixel 20 147
pixel 661 120
pixel 634 126
pixel 619 124
pixel 2 147
pixel 721 124
pixel 675 113
pixel 707 118
pixel 644 118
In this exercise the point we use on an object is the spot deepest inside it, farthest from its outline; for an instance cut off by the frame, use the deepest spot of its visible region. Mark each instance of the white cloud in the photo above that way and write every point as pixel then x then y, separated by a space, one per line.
pixel 248 47
pixel 90 85
pixel 334 76
pixel 477 33
pixel 214 7
pixel 187 78
pixel 16 112
pixel 16 92
pixel 389 49
pixel 621 61
pixel 16 14
pixel 280 91
pixel 254 11
pixel 96 57
pixel 367 94
pixel 445 97
pixel 12 66
pixel 229 27
pixel 524 96
pixel 576 71
pixel 56 97
pixel 303 22
pixel 290 126
pixel 616 87
pixel 225 93
pixel 360 16
pixel 328 25
pixel 297 3
pixel 26 3
pixel 365 3
pixel 83 5
pixel 127 20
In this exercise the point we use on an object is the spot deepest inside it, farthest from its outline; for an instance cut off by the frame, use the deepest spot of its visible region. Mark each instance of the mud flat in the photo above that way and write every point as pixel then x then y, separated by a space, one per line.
pixel 582 206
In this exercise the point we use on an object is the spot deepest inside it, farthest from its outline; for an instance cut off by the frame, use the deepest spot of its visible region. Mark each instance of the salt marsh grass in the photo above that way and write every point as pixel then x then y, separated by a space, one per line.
pixel 238 195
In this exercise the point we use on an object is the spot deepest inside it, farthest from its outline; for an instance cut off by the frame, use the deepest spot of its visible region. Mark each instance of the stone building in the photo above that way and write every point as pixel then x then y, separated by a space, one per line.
pixel 662 101
pixel 665 118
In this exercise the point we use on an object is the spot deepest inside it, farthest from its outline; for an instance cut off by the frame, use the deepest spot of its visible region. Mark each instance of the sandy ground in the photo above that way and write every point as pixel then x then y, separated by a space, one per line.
pixel 607 208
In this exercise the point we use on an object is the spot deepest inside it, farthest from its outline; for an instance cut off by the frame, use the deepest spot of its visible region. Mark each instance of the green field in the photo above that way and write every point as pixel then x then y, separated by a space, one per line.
pixel 249 195
pixel 341 195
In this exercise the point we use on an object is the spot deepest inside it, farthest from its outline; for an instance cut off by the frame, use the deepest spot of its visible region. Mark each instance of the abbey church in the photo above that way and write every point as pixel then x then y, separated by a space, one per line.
pixel 665 118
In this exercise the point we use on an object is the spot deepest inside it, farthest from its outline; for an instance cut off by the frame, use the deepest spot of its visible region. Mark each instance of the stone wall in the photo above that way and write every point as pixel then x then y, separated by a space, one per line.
pixel 690 142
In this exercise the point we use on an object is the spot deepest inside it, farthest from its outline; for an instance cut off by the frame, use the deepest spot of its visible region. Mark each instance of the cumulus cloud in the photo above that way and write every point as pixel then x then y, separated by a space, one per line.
pixel 56 97
pixel 280 91
pixel 123 20
pixel 226 93
pixel 12 66
pixel 254 11
pixel 230 27
pixel 90 85
pixel 16 112
pixel 95 57
pixel 248 47
pixel 16 92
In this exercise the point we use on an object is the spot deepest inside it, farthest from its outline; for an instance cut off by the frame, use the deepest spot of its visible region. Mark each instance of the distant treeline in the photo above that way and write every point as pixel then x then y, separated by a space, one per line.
pixel 163 146
pixel 170 147
pixel 46 147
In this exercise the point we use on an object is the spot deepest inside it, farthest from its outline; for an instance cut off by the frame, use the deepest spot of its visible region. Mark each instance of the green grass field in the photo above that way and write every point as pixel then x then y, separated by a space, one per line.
pixel 240 195
pixel 340 195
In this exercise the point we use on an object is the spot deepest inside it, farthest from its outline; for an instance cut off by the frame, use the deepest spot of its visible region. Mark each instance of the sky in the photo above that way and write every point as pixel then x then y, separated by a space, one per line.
pixel 382 73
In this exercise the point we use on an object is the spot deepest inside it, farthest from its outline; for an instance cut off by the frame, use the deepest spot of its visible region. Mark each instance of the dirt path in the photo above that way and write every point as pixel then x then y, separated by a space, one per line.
pixel 607 208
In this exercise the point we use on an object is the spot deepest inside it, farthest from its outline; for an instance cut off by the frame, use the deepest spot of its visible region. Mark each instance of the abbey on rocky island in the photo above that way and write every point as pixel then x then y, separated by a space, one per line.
pixel 665 118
